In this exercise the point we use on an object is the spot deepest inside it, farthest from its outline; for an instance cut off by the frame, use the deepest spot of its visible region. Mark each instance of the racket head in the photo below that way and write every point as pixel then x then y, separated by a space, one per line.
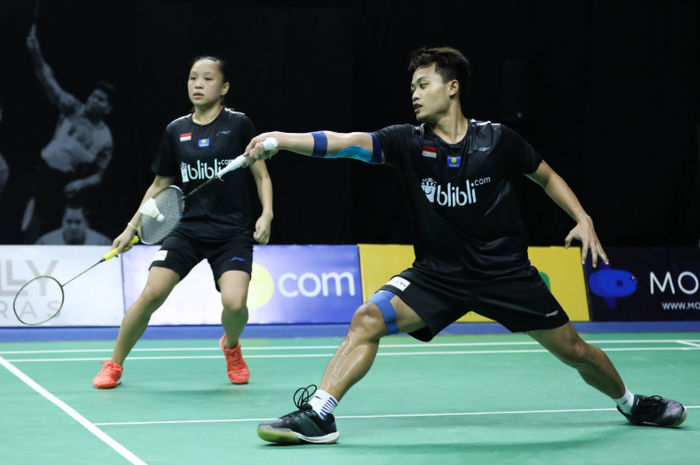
pixel 38 301
pixel 171 204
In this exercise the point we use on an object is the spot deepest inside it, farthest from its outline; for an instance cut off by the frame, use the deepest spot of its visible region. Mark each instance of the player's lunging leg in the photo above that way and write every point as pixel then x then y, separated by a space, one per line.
pixel 314 423
pixel 592 364
pixel 597 370
pixel 161 282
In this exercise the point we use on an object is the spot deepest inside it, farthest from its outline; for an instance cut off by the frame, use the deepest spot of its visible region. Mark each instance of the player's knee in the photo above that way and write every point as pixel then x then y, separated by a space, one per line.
pixel 151 298
pixel 368 320
pixel 234 306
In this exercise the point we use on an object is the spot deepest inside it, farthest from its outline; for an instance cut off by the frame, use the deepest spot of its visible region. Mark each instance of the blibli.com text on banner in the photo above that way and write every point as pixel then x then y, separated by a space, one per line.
pixel 290 284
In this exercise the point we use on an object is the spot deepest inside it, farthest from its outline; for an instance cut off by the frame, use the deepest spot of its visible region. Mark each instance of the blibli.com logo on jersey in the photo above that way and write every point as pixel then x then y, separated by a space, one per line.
pixel 452 196
pixel 201 170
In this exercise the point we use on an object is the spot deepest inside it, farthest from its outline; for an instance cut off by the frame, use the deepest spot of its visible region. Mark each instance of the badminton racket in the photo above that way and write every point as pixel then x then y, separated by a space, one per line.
pixel 162 213
pixel 41 298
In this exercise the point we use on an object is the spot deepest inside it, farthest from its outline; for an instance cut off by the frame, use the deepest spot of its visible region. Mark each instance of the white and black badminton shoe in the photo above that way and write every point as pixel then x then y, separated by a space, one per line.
pixel 656 410
pixel 304 426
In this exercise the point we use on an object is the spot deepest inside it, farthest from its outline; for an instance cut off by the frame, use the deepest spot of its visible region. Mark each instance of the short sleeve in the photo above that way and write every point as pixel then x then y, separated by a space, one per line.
pixel 396 142
pixel 247 130
pixel 523 158
pixel 67 103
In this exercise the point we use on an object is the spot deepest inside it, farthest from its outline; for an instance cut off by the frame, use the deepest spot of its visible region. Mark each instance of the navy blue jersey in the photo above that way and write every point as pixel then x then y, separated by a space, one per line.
pixel 466 218
pixel 194 153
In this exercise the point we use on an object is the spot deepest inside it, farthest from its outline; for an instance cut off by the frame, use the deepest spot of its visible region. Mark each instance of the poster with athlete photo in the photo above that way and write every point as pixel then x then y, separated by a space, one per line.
pixel 64 127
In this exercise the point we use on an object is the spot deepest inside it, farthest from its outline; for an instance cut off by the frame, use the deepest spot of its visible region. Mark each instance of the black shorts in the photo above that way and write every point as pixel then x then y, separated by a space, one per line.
pixel 181 253
pixel 520 302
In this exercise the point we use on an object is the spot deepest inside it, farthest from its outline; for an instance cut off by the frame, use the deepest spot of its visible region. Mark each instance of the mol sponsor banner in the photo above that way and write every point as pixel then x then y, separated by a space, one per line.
pixel 290 284
pixel 645 284
pixel 93 299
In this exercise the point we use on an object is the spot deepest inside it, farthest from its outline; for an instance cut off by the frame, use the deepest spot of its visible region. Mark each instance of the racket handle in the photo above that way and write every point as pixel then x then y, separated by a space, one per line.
pixel 237 162
pixel 113 252
pixel 241 160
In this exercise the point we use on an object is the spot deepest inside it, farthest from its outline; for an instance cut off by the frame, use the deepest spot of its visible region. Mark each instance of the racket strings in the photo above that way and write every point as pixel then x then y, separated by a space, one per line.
pixel 170 204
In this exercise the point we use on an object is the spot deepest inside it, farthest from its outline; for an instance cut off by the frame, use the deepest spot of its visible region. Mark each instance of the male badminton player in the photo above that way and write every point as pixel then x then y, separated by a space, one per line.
pixel 216 225
pixel 470 247
pixel 78 154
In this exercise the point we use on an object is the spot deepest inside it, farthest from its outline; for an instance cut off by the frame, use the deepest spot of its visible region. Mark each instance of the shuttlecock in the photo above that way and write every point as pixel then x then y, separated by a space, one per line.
pixel 150 208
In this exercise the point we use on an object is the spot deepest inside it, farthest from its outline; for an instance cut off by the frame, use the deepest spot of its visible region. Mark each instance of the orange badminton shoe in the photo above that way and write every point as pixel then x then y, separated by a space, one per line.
pixel 236 367
pixel 109 376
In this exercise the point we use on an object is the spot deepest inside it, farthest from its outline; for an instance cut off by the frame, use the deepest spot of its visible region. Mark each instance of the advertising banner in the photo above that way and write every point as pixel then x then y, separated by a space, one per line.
pixel 379 262
pixel 93 299
pixel 560 269
pixel 646 284
pixel 290 284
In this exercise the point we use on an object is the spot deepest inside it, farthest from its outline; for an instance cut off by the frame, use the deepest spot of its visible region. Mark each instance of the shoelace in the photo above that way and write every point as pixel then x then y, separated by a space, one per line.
pixel 110 366
pixel 303 395
pixel 649 406
pixel 237 356
pixel 301 400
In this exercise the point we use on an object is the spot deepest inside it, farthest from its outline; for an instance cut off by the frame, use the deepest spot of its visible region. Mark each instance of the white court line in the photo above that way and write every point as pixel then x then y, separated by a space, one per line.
pixel 379 354
pixel 123 451
pixel 351 417
pixel 385 346
pixel 688 343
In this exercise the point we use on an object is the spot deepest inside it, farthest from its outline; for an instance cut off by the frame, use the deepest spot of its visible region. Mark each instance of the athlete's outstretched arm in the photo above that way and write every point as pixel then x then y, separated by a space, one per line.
pixel 322 144
pixel 562 194
pixel 43 70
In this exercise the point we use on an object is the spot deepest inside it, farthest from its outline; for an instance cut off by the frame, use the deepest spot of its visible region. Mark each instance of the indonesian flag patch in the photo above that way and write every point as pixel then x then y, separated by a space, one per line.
pixel 185 137
pixel 430 152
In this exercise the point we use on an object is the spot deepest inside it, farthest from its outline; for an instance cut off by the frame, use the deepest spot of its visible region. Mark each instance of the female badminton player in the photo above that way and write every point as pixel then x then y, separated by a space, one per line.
pixel 216 225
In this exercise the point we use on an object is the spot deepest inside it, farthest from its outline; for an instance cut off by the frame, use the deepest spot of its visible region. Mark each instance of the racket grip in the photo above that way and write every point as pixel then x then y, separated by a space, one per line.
pixel 237 162
pixel 113 253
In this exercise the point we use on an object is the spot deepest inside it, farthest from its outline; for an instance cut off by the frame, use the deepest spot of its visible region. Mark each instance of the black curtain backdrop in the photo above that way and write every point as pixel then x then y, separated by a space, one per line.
pixel 610 93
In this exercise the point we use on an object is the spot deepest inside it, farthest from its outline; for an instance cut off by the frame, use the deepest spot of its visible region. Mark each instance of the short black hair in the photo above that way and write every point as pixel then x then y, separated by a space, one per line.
pixel 450 64
pixel 74 204
pixel 108 88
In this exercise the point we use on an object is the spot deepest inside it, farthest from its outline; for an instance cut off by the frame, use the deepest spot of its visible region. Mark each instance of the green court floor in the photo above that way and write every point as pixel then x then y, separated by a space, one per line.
pixel 459 400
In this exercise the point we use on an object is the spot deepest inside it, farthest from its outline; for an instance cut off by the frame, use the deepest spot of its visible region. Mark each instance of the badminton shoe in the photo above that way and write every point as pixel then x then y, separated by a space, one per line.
pixel 656 410
pixel 109 376
pixel 236 367
pixel 301 427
